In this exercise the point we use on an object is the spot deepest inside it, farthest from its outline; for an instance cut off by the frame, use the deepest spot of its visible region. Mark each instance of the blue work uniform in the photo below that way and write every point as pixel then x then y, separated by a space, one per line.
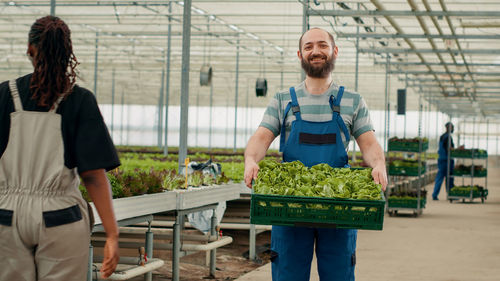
pixel 292 247
pixel 443 165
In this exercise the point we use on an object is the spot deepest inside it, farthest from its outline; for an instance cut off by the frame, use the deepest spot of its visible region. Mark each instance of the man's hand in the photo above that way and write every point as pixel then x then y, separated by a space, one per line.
pixel 256 150
pixel 379 175
pixel 251 171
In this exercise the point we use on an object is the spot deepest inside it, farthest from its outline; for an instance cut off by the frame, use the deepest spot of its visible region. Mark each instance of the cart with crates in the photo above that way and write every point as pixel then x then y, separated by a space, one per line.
pixel 405 193
pixel 468 170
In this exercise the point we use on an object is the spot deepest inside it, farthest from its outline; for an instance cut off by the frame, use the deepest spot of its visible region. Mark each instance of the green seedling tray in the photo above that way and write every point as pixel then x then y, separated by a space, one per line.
pixel 466 194
pixel 405 171
pixel 407 146
pixel 406 203
pixel 477 174
pixel 317 212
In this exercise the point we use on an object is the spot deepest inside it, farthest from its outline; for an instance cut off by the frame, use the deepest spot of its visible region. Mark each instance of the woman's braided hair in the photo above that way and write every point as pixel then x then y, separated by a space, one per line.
pixel 54 74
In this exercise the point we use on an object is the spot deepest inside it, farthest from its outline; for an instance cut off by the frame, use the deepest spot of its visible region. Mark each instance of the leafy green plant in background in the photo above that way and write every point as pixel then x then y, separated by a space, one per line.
pixel 173 181
pixel 293 178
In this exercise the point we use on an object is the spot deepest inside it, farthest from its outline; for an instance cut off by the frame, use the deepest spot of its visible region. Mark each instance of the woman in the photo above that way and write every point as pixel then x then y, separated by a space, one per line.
pixel 51 132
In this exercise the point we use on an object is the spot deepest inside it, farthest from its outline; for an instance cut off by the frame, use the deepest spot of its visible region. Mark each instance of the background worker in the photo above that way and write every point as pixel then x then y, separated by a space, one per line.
pixel 51 132
pixel 445 143
pixel 315 120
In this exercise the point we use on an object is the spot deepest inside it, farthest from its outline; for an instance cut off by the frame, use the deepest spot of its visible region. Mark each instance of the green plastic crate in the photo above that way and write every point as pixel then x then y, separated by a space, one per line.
pixel 477 174
pixel 405 171
pixel 468 153
pixel 406 203
pixel 407 146
pixel 317 212
pixel 464 193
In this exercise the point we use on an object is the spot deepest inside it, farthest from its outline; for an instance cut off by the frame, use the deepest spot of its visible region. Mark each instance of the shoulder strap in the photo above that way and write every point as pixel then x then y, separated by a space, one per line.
pixel 18 106
pixel 335 102
pixel 295 103
pixel 294 106
pixel 283 128
pixel 335 105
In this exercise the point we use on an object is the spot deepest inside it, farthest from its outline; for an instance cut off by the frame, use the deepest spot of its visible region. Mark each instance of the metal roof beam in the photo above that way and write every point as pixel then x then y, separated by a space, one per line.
pixel 424 27
pixel 419 36
pixel 428 51
pixel 402 13
pixel 416 72
pixel 437 63
pixel 395 25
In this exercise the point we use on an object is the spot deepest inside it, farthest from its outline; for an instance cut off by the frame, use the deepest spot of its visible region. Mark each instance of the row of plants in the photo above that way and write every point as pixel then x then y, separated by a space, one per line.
pixel 465 191
pixel 467 170
pixel 406 167
pixel 469 153
pixel 408 144
pixel 127 183
pixel 407 199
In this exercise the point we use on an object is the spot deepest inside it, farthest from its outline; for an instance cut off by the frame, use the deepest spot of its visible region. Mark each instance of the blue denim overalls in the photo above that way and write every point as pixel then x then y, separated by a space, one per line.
pixel 292 247
pixel 443 166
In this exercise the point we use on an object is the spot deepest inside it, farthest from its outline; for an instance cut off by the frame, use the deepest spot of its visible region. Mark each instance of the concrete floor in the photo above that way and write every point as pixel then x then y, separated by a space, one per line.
pixel 448 242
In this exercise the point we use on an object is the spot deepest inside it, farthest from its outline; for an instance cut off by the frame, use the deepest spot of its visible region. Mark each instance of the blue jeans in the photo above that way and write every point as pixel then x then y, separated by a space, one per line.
pixel 441 175
pixel 292 251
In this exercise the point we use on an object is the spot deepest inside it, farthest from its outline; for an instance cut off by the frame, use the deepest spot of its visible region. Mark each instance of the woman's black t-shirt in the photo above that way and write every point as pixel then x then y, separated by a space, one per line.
pixel 87 143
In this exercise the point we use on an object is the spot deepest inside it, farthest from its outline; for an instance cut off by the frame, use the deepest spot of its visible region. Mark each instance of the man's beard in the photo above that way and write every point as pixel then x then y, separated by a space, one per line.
pixel 318 71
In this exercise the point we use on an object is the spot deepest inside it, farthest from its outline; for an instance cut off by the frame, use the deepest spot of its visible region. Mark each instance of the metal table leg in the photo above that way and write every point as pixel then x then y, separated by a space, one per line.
pixel 149 251
pixel 213 252
pixel 176 247
pixel 251 251
pixel 91 259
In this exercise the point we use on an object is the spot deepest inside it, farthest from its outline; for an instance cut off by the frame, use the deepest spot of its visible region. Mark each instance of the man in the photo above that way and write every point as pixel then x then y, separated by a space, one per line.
pixel 315 120
pixel 445 143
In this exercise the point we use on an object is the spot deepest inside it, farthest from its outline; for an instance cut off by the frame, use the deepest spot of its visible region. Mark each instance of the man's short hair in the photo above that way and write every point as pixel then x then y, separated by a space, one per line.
pixel 329 35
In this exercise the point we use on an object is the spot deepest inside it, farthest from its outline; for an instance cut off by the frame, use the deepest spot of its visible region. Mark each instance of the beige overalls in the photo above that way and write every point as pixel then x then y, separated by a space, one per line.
pixel 44 223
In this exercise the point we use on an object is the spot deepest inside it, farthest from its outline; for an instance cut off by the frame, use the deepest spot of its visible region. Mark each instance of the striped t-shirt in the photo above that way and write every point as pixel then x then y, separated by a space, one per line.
pixel 316 108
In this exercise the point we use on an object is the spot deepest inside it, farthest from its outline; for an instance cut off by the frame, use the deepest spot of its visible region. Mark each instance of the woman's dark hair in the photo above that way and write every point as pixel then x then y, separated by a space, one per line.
pixel 54 61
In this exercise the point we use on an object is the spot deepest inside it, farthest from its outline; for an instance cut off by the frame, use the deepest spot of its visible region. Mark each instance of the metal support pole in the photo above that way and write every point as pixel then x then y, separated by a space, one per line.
pixel 356 79
pixel 149 251
pixel 226 130
pixel 246 112
pixel 420 152
pixel 448 160
pixel 53 8
pixel 404 126
pixel 176 247
pixel 112 103
pixel 121 117
pixel 213 232
pixel 160 109
pixel 96 62
pixel 386 117
pixel 487 141
pixel 281 74
pixel 186 47
pixel 437 128
pixel 197 129
pixel 91 261
pixel 167 84
pixel 236 92
pixel 497 133
pixel 252 255
pixel 210 117
pixel 305 27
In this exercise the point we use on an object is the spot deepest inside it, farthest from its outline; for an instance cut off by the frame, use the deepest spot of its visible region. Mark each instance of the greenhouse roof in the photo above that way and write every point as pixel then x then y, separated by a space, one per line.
pixel 443 51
